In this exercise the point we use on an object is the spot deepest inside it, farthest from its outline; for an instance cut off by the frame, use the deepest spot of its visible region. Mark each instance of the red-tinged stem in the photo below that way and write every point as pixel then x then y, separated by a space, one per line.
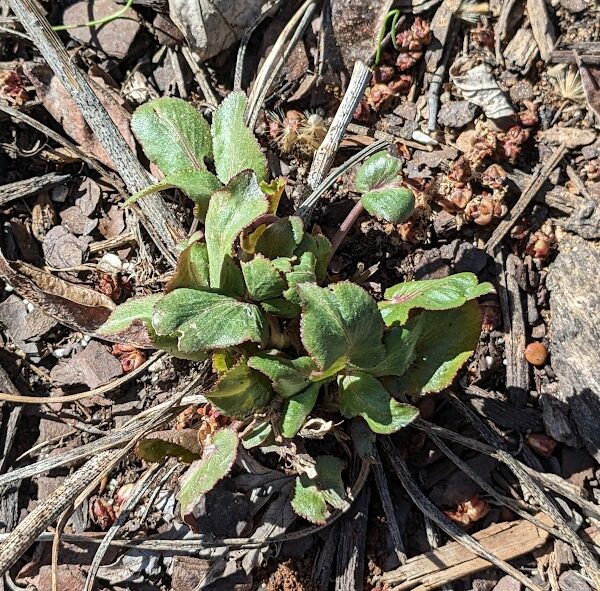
pixel 345 227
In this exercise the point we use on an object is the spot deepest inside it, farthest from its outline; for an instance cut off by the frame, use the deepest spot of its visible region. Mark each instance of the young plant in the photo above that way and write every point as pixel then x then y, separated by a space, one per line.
pixel 289 351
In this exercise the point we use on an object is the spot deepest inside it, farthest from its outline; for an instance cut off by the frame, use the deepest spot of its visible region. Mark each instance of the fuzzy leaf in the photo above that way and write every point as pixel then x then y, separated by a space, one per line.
pixel 302 272
pixel 176 443
pixel 216 462
pixel 377 171
pixel 430 294
pixel 312 496
pixel 192 268
pixel 281 238
pixel 320 247
pixel 235 147
pixel 205 321
pixel 391 205
pixel 288 376
pixel 128 312
pixel 341 322
pixel 281 307
pixel 400 351
pixel 297 408
pixel 383 196
pixel 173 135
pixel 230 210
pixel 257 435
pixel 362 395
pixel 240 391
pixel 198 185
pixel 447 339
pixel 263 280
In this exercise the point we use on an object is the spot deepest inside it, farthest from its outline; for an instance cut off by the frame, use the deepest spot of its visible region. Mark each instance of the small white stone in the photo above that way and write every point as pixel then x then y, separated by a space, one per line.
pixel 30 307
pixel 59 353
pixel 8 287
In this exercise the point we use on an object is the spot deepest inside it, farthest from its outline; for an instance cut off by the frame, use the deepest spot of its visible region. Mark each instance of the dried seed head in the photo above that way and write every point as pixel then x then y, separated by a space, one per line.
pixel 460 170
pixel 494 176
pixel 378 96
pixel 529 116
pixel 469 511
pixel 470 11
pixel 539 244
pixel 11 88
pixel 483 36
pixel 311 133
pixel 567 82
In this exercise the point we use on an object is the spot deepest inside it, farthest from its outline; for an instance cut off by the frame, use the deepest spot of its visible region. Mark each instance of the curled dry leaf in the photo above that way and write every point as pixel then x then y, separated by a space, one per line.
pixel 210 26
pixel 479 87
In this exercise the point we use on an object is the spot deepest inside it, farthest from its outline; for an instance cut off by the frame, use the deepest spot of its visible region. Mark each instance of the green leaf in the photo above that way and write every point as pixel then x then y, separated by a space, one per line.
pixel 312 496
pixel 383 196
pixel 240 391
pixel 430 294
pixel 281 238
pixel 363 439
pixel 230 210
pixel 128 312
pixel 175 443
pixel 297 408
pixel 400 351
pixel 232 278
pixel 288 376
pixel 205 321
pixel 281 307
pixel 235 147
pixel 377 171
pixel 341 322
pixel 257 435
pixel 192 268
pixel 216 462
pixel 168 344
pixel 362 395
pixel 263 280
pixel 198 185
pixel 302 272
pixel 320 246
pixel 446 340
pixel 173 135
pixel 391 205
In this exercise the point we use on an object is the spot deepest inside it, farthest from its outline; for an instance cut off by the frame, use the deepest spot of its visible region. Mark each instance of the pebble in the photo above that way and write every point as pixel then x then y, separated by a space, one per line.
pixel 521 91
pixel 536 354
pixel 507 583
pixel 456 114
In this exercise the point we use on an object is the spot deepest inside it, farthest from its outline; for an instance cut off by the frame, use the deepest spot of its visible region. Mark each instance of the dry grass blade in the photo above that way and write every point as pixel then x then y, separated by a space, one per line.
pixel 158 219
pixel 133 499
pixel 50 509
pixel 431 511
pixel 276 59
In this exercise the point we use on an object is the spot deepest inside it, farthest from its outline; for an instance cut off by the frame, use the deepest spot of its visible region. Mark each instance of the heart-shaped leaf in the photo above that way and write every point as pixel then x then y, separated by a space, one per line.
pixel 313 496
pixel 235 147
pixel 288 376
pixel 281 238
pixel 446 340
pixel 173 135
pixel 362 395
pixel 205 321
pixel 400 351
pixel 192 268
pixel 341 322
pixel 430 294
pixel 263 280
pixel 230 210
pixel 383 196
pixel 240 391
pixel 297 408
pixel 175 443
pixel 216 462
pixel 198 185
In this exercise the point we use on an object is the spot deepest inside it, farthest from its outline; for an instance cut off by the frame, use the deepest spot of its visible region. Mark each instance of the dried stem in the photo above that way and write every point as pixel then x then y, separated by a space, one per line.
pixel 345 226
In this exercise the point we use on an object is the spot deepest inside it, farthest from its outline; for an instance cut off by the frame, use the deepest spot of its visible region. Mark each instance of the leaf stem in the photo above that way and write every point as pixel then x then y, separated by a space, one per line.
pixel 345 227
pixel 96 23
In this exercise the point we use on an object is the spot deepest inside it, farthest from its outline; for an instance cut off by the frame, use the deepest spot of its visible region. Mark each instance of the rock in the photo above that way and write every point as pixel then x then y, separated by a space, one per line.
pixel 575 308
pixel 113 223
pixel 114 38
pixel 576 6
pixel 63 250
pixel 521 91
pixel 356 25
pixel 507 583
pixel 445 224
pixel 92 367
pixel 465 256
pixel 572 137
pixel 586 220
pixel 572 581
pixel 74 220
pixel 167 32
pixel 456 114
pixel 434 158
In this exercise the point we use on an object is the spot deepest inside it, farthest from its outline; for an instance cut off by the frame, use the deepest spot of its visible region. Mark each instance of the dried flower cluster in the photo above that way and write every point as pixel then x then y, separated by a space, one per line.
pixel 11 88
pixel 296 132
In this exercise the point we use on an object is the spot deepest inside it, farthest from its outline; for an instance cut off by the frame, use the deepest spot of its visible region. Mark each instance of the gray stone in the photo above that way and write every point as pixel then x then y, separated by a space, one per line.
pixel 456 114
pixel 572 581
pixel 521 91
pixel 507 583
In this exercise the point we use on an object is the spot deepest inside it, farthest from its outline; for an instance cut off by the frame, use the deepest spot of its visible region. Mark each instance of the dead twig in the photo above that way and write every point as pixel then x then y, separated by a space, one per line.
pixel 32 186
